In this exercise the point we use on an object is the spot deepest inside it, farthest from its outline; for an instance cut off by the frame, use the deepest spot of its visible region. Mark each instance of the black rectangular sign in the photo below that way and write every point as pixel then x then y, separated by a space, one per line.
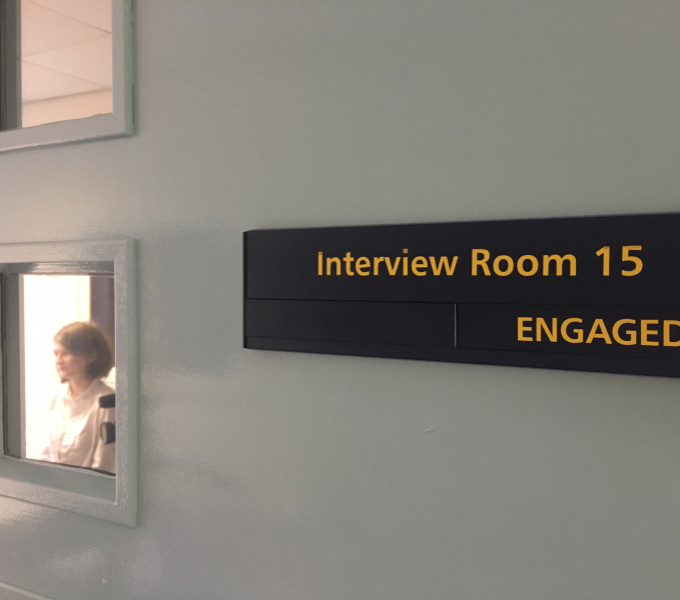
pixel 589 293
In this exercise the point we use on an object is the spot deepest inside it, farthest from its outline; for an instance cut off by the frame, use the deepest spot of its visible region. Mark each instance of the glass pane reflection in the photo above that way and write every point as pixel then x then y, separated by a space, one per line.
pixel 66 60
pixel 63 377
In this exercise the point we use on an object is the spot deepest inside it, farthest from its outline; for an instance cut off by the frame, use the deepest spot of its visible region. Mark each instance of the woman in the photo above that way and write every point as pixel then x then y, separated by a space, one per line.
pixel 83 357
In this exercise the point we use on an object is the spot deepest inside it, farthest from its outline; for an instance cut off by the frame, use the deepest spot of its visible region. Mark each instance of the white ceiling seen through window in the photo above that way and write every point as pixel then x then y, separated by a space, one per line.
pixel 66 60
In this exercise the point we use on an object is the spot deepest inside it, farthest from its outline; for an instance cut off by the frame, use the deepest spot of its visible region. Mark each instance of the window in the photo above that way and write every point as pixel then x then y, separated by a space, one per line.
pixel 52 453
pixel 81 305
pixel 64 71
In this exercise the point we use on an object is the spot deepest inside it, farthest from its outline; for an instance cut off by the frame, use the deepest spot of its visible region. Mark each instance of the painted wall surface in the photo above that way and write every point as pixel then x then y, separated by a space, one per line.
pixel 276 476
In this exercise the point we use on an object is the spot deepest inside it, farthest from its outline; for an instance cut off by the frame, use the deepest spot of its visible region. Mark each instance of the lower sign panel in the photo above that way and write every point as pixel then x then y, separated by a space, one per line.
pixel 643 341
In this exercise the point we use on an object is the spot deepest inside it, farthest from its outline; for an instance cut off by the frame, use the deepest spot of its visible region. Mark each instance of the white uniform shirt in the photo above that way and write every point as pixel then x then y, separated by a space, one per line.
pixel 74 430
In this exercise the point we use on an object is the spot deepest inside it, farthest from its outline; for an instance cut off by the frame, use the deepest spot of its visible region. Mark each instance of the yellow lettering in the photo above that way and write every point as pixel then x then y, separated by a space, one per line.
pixel 333 260
pixel 444 263
pixel 559 262
pixel 604 253
pixel 508 261
pixel 645 332
pixel 598 330
pixel 636 260
pixel 565 333
pixel 527 272
pixel 361 264
pixel 348 259
pixel 480 262
pixel 667 333
pixel 541 325
pixel 631 340
pixel 392 267
pixel 521 329
pixel 418 264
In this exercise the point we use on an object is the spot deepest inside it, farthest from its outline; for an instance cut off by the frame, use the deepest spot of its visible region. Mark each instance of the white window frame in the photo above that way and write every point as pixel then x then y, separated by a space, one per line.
pixel 118 123
pixel 108 497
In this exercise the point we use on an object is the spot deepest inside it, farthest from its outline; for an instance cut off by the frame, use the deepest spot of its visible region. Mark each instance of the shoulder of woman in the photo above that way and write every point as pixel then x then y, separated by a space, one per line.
pixel 105 389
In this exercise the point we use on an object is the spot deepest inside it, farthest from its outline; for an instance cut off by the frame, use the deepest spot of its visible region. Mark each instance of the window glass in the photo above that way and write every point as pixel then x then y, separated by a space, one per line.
pixel 66 60
pixel 57 425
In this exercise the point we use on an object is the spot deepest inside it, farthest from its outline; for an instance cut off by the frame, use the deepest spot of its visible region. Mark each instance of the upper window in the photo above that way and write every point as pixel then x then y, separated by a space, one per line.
pixel 65 71
pixel 66 60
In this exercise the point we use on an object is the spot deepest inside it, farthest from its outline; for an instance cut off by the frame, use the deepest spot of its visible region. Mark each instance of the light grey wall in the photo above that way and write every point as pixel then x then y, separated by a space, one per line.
pixel 274 476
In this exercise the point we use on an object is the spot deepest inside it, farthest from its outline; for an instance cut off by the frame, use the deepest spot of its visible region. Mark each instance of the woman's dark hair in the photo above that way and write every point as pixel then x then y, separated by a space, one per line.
pixel 87 339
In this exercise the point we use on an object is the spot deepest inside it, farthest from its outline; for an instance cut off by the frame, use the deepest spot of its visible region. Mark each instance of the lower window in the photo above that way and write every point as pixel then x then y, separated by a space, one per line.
pixel 68 377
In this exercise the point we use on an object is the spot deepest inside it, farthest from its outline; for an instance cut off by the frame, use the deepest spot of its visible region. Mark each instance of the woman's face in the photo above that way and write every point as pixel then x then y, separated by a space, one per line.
pixel 69 366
